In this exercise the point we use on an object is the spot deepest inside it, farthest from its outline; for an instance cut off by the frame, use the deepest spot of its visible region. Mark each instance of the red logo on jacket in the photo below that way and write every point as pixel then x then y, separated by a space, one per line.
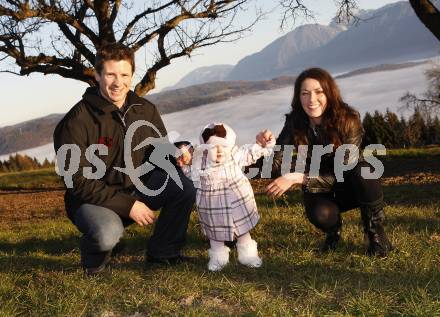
pixel 106 140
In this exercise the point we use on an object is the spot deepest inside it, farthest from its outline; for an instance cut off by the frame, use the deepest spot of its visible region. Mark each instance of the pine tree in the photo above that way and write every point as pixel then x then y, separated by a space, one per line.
pixel 379 128
pixel 404 127
pixel 436 131
pixel 415 129
pixel 426 137
pixel 46 163
pixel 12 163
pixel 5 166
pixel 393 130
pixel 367 123
pixel 36 164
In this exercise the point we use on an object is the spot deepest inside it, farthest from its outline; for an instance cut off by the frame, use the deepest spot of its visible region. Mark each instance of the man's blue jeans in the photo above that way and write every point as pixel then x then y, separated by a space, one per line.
pixel 102 228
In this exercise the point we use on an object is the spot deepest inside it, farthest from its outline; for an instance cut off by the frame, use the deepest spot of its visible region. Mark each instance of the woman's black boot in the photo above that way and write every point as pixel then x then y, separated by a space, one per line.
pixel 332 237
pixel 373 218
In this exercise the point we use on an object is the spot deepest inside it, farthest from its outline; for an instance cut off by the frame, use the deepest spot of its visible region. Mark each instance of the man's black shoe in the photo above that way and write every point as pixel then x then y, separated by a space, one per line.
pixel 169 260
pixel 94 271
pixel 118 248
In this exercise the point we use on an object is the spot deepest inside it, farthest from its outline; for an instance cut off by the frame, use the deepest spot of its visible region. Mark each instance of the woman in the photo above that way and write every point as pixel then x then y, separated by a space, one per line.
pixel 319 116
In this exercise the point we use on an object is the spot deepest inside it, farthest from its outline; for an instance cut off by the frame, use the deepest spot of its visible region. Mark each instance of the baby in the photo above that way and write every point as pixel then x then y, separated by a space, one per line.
pixel 225 199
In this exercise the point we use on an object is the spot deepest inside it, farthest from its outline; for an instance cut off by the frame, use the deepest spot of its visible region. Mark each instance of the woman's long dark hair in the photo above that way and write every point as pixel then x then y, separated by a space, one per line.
pixel 338 118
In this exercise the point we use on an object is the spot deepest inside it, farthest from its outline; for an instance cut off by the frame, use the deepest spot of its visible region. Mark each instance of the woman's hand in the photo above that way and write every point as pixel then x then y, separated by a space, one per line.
pixel 280 185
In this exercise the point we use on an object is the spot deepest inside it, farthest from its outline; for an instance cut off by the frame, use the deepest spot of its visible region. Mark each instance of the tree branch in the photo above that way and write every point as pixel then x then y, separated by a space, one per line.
pixel 115 11
pixel 347 11
pixel 82 74
pixel 292 9
pixel 166 27
pixel 142 15
pixel 75 39
pixel 50 13
pixel 428 14
pixel 198 40
pixel 83 26
pixel 10 72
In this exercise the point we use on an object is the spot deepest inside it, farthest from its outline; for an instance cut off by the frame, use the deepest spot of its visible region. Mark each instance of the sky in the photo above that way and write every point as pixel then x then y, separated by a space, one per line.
pixel 36 95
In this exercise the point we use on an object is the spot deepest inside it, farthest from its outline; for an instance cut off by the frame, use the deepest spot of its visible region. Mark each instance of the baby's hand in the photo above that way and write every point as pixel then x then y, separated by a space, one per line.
pixel 185 157
pixel 265 138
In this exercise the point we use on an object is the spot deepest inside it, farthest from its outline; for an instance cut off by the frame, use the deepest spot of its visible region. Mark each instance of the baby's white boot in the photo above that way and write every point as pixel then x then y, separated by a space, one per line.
pixel 218 258
pixel 248 254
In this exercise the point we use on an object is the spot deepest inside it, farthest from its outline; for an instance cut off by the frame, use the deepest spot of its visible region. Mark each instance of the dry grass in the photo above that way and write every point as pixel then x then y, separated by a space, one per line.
pixel 40 273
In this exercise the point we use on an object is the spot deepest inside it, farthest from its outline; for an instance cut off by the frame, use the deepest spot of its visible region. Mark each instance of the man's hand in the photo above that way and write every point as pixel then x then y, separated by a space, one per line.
pixel 264 137
pixel 141 214
pixel 280 185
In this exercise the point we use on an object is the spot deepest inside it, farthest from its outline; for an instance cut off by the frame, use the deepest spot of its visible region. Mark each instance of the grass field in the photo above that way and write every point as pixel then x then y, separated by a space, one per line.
pixel 35 179
pixel 40 273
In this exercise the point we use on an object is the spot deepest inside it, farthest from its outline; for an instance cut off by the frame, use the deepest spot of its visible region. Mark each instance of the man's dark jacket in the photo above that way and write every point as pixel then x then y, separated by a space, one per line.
pixel 94 120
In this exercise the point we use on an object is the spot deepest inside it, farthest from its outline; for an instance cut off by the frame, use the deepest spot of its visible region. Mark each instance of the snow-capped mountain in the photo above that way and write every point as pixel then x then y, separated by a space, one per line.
pixel 390 34
pixel 203 75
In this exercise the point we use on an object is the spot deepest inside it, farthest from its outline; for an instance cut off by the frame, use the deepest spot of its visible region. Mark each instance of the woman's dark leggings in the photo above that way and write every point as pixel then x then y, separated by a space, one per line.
pixel 324 209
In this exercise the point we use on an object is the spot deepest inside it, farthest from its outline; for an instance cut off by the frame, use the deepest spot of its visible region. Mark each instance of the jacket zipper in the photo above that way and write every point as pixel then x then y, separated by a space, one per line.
pixel 124 127
pixel 123 117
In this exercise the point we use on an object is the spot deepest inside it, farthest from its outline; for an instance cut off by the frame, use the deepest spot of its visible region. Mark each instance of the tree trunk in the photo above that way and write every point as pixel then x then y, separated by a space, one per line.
pixel 428 14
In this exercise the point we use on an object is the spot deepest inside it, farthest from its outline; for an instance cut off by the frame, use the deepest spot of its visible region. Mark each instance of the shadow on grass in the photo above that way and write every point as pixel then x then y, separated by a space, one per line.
pixel 324 273
pixel 397 166
pixel 323 279
pixel 408 223
pixel 58 246
pixel 27 263
pixel 286 274
pixel 410 194
pixel 39 253
pixel 304 237
pixel 415 224
pixel 56 254
pixel 405 194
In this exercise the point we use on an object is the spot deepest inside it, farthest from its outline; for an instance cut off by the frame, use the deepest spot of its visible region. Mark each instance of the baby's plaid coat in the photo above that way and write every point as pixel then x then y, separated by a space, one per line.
pixel 225 199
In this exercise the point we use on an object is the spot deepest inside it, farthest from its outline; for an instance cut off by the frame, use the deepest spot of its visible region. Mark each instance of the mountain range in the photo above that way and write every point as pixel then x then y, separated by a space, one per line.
pixel 378 88
pixel 203 75
pixel 391 34
pixel 37 132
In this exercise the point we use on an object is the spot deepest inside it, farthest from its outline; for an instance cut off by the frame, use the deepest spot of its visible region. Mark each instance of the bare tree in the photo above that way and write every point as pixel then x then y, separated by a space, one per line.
pixel 293 9
pixel 62 37
pixel 429 102
pixel 346 12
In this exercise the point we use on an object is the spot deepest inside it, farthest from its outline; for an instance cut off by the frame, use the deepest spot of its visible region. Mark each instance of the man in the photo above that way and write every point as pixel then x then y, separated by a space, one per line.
pixel 101 208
